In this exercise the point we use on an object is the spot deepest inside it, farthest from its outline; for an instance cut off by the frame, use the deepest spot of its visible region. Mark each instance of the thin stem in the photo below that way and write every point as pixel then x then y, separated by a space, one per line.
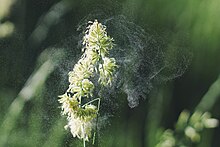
pixel 93 140
pixel 84 142
pixel 96 136
pixel 99 102
pixel 97 99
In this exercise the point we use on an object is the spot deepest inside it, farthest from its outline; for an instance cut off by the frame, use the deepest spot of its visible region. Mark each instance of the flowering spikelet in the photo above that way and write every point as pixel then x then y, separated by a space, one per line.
pixel 81 115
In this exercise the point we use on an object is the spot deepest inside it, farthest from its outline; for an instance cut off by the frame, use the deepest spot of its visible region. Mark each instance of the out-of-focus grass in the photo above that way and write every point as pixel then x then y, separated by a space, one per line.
pixel 211 97
pixel 32 86
pixel 31 89
pixel 199 19
pixel 160 100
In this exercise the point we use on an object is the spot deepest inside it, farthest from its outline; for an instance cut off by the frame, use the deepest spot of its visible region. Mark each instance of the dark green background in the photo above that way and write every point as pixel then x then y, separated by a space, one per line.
pixel 199 19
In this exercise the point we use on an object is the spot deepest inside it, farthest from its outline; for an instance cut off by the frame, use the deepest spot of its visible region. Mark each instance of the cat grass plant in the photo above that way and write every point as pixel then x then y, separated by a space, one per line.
pixel 78 102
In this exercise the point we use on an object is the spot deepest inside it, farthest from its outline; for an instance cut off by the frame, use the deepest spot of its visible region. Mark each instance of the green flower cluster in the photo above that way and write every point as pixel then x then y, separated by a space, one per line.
pixel 94 60
pixel 187 130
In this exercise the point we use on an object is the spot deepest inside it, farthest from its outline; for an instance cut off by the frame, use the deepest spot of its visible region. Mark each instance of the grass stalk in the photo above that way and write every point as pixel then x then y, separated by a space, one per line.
pixel 210 98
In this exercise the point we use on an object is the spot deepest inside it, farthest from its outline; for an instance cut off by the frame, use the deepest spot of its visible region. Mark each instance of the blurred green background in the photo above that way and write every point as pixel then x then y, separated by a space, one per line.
pixel 29 27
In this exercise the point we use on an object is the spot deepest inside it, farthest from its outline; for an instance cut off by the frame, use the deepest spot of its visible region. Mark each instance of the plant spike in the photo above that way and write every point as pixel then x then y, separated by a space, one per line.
pixel 81 116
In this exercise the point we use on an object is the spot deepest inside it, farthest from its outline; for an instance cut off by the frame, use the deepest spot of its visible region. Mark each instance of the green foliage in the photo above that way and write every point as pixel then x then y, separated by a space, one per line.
pixel 29 28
